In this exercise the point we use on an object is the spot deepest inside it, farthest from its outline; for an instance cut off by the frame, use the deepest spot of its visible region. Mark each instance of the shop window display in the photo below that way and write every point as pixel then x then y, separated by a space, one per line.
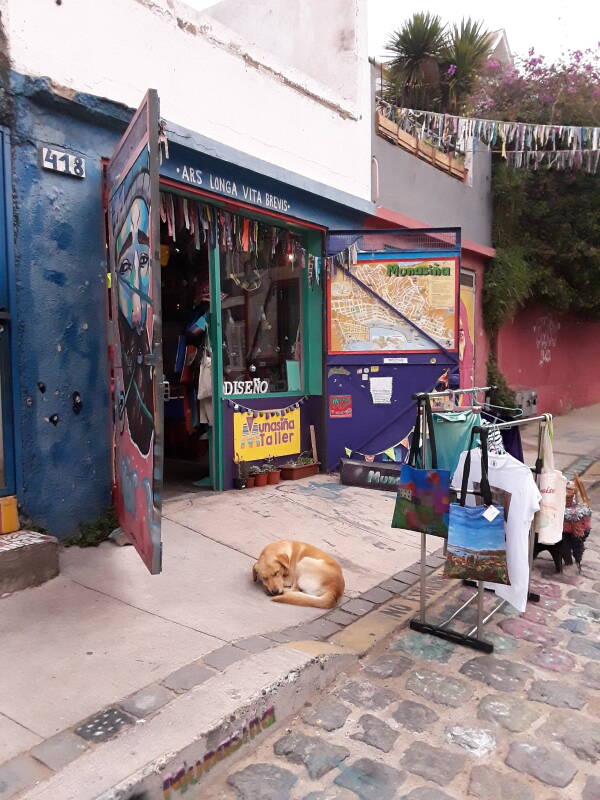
pixel 261 309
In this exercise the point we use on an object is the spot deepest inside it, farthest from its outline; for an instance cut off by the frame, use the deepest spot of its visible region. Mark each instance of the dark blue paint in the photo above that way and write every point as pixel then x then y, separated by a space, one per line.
pixel 11 449
pixel 60 310
pixel 59 278
pixel 62 234
pixel 303 205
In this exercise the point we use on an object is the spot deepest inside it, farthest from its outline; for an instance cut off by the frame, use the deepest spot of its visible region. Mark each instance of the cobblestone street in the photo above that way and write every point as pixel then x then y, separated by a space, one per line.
pixel 424 719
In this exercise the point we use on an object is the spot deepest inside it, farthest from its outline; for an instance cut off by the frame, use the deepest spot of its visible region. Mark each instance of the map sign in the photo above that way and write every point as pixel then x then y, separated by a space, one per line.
pixel 423 291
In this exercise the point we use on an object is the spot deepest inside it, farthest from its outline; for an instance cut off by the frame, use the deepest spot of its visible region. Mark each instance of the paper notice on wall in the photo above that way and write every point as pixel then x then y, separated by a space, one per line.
pixel 381 390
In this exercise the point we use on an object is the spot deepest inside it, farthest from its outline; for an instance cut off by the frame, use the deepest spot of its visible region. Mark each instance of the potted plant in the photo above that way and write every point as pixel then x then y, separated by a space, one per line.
pixel 240 481
pixel 252 473
pixel 260 477
pixel 301 467
pixel 273 472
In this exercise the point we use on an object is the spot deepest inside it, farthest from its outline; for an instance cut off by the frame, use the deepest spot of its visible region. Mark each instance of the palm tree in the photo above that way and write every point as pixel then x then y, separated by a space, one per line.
pixel 462 57
pixel 412 73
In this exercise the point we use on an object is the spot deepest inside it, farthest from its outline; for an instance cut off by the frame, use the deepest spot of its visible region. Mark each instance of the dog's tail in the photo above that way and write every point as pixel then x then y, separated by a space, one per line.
pixel 326 600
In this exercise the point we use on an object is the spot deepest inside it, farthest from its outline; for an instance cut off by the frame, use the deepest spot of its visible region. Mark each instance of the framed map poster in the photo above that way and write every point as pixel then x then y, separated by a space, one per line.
pixel 394 306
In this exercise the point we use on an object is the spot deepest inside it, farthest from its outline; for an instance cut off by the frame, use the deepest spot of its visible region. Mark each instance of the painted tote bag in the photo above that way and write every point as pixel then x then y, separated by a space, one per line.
pixel 476 538
pixel 552 484
pixel 423 495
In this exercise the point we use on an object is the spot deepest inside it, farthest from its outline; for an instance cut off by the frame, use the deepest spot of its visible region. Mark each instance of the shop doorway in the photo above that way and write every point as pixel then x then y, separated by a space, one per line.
pixel 187 361
pixel 216 316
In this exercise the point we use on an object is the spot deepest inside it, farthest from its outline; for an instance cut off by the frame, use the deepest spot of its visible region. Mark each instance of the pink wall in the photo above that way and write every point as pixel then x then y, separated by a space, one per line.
pixel 557 356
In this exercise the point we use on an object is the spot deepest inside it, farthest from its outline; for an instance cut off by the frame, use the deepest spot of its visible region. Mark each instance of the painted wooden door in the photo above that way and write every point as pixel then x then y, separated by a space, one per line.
pixel 134 257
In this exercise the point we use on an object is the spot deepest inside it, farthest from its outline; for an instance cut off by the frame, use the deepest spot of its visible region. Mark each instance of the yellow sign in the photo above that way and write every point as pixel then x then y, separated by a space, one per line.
pixel 270 435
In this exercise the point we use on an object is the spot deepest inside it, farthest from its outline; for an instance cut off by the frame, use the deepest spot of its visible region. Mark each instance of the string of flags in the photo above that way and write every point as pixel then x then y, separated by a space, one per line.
pixel 279 412
pixel 523 144
pixel 215 226
pixel 390 452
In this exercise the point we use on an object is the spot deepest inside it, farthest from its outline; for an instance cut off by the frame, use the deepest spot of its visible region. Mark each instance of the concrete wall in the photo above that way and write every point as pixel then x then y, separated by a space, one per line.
pixel 61 317
pixel 336 62
pixel 556 356
pixel 298 98
pixel 419 190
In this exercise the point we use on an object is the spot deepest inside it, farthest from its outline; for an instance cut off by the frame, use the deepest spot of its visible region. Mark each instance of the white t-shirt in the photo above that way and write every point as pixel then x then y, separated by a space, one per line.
pixel 512 476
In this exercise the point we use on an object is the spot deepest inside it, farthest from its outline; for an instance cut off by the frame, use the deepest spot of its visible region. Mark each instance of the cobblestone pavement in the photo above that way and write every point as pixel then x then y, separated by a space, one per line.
pixel 424 719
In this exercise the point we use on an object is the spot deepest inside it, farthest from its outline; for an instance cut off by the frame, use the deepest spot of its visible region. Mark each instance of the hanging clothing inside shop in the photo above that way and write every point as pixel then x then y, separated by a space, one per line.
pixel 186 351
pixel 452 431
pixel 522 497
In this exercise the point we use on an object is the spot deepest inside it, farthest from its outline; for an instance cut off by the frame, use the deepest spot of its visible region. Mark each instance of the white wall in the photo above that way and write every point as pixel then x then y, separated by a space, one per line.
pixel 298 96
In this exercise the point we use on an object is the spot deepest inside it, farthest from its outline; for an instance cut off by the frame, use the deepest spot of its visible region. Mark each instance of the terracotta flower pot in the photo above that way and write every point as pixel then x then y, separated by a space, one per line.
pixel 301 471
pixel 261 479
pixel 250 481
pixel 273 476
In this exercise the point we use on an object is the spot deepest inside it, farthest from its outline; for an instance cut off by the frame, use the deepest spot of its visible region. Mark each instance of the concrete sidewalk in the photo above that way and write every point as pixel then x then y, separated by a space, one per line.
pixel 105 629
pixel 106 646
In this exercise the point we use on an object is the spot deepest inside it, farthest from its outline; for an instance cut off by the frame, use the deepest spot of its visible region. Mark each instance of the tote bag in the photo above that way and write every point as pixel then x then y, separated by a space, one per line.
pixel 548 521
pixel 476 539
pixel 423 495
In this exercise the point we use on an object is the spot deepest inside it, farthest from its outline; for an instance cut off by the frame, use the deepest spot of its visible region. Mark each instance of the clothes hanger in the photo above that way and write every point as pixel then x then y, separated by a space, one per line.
pixel 518 412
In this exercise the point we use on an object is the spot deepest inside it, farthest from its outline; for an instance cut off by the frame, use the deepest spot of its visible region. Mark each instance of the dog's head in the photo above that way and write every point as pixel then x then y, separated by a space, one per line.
pixel 271 569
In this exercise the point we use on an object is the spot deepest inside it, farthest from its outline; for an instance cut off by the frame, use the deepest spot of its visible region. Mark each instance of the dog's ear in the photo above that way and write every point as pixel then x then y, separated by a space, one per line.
pixel 254 574
pixel 284 560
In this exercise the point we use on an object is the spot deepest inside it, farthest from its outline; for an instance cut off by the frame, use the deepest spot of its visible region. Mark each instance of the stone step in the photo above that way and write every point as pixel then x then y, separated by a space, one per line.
pixel 27 559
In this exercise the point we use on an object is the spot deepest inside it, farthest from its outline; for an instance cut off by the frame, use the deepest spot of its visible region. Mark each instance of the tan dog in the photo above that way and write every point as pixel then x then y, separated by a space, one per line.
pixel 299 574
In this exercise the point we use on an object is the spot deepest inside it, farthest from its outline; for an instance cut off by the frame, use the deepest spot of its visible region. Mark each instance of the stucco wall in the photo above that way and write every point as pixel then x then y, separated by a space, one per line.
pixel 61 323
pixel 412 187
pixel 212 80
pixel 556 356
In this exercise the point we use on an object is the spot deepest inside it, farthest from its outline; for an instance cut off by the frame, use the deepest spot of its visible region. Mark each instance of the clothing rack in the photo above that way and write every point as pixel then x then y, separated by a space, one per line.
pixel 473 638
pixel 452 392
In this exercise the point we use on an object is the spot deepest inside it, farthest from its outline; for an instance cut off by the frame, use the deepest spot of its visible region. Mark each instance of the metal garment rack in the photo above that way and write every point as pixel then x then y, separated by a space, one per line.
pixel 473 638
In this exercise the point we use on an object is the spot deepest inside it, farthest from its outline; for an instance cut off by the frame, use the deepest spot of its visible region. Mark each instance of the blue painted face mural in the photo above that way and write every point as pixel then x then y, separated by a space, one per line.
pixel 133 277
pixel 133 265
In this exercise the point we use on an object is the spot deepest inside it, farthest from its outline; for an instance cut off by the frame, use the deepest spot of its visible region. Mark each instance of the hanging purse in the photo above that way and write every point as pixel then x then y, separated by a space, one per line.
pixel 423 495
pixel 552 484
pixel 476 538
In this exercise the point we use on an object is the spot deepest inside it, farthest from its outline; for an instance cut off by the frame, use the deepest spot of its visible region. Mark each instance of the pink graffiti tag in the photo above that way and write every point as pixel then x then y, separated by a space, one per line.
pixel 189 775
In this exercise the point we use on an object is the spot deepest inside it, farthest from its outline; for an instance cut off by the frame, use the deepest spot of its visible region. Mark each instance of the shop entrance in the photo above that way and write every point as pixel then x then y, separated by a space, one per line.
pixel 240 323
pixel 216 316
pixel 188 419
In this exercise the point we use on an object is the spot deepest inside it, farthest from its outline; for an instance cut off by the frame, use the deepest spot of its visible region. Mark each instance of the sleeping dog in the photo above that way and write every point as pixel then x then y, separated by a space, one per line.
pixel 299 574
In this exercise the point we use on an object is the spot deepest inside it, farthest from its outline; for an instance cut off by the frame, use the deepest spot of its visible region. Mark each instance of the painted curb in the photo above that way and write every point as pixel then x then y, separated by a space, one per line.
pixel 202 733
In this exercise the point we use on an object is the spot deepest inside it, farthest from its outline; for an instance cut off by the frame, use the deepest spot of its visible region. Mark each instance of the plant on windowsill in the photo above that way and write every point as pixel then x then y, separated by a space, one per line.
pixel 303 466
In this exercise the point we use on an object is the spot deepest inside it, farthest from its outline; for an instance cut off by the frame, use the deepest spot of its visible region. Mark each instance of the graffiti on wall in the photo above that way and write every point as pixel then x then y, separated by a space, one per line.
pixel 545 331
pixel 133 313
pixel 189 775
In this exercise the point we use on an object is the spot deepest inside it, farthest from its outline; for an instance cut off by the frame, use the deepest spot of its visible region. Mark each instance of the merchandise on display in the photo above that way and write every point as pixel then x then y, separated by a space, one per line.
pixel 514 478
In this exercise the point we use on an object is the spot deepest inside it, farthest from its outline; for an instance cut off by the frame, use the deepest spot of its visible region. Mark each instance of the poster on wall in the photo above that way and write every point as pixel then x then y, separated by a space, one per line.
pixel 340 406
pixel 269 435
pixel 397 306
pixel 134 258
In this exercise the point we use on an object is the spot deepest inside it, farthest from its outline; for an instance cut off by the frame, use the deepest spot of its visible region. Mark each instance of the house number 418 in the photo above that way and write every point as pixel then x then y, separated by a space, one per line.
pixel 58 161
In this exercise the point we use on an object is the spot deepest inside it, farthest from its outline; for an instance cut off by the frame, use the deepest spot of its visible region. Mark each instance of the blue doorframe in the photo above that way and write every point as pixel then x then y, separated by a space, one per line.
pixel 8 483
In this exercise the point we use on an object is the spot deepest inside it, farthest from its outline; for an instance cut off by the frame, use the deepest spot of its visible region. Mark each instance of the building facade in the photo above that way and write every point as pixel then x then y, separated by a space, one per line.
pixel 229 220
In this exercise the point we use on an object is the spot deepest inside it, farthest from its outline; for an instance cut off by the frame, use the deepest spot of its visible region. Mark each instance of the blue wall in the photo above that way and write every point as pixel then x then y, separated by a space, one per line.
pixel 61 304
pixel 61 325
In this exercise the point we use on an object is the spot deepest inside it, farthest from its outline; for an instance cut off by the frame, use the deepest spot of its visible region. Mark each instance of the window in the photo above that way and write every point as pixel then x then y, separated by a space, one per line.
pixel 261 272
